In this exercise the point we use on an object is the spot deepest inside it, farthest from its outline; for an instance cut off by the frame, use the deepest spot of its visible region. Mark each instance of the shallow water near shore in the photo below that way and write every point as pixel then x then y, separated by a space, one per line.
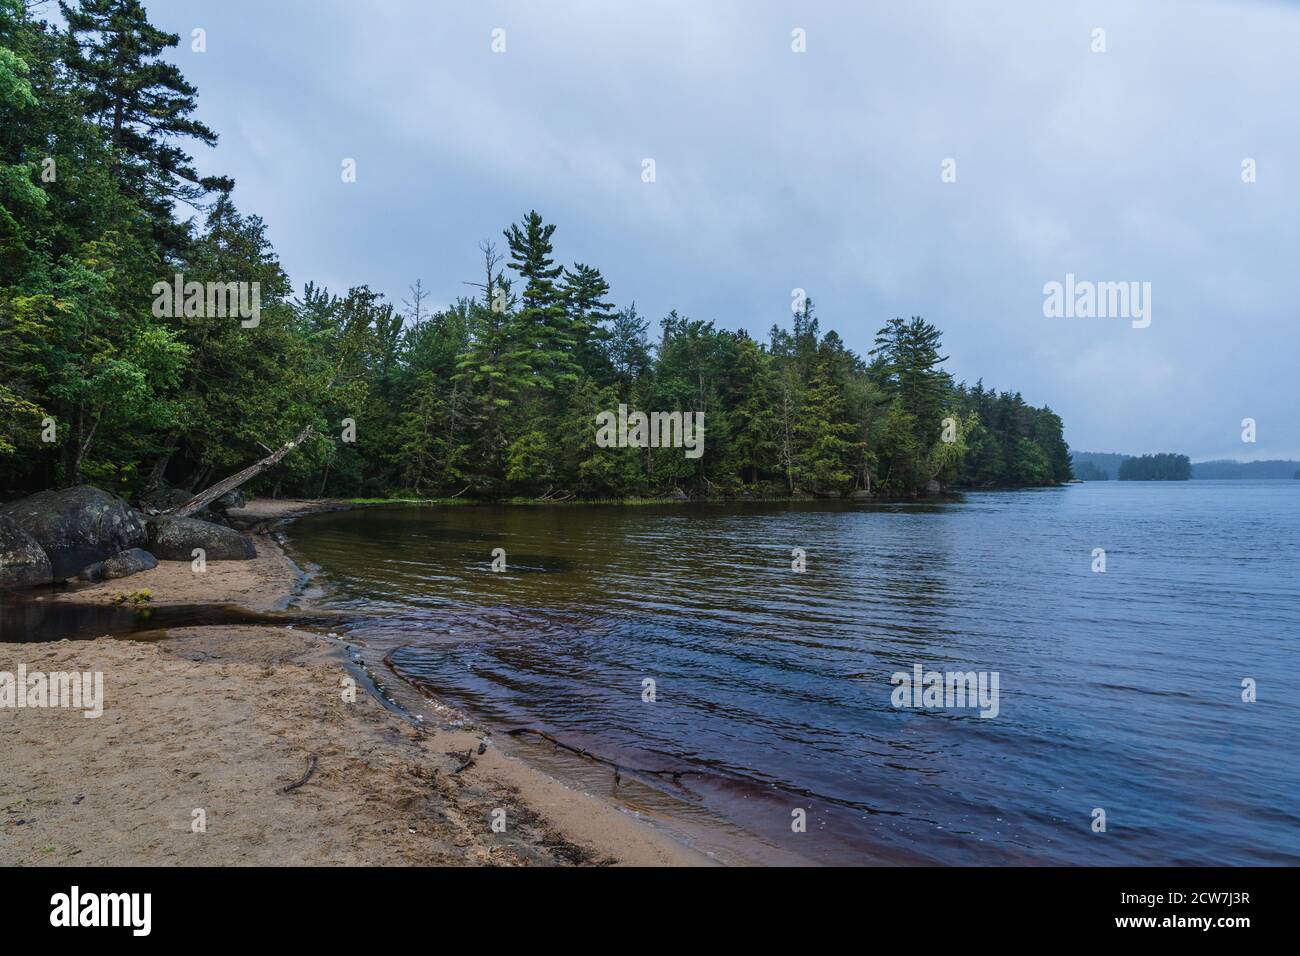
pixel 25 618
pixel 1119 690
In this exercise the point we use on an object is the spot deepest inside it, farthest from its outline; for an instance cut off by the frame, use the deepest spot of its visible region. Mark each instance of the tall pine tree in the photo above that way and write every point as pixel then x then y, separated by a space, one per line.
pixel 143 102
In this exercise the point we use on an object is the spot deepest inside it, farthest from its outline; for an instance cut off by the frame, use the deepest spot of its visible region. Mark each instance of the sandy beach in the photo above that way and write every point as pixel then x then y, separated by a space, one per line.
pixel 242 745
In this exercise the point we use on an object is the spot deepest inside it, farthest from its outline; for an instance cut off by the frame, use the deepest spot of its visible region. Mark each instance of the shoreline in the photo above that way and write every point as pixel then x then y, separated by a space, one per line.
pixel 207 726
pixel 343 504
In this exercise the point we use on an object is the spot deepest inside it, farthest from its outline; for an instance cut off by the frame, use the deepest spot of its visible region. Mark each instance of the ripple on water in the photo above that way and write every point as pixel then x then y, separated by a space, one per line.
pixel 1118 690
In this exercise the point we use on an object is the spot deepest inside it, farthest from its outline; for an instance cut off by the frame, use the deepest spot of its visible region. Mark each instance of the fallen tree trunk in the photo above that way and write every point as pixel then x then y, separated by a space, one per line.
pixel 205 498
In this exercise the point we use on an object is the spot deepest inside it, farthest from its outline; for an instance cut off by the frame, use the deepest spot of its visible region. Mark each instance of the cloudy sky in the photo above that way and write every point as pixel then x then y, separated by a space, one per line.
pixel 778 170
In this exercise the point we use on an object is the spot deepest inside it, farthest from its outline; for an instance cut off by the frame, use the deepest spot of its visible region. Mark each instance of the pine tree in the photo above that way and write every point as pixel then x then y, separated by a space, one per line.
pixel 627 349
pixel 493 377
pixel 825 452
pixel 143 102
pixel 909 373
pixel 543 334
pixel 584 292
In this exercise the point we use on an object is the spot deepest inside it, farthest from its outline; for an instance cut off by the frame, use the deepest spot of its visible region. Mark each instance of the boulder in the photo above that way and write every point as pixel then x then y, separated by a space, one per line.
pixel 932 488
pixel 165 498
pixel 859 494
pixel 77 527
pixel 129 562
pixel 174 539
pixel 23 563
pixel 120 565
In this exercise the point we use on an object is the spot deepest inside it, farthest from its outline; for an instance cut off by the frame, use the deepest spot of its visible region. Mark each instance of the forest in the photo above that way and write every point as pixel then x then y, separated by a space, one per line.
pixel 1162 467
pixel 350 394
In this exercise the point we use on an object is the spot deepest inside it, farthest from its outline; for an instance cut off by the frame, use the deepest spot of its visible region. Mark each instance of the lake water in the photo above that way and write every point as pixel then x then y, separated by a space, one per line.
pixel 1120 691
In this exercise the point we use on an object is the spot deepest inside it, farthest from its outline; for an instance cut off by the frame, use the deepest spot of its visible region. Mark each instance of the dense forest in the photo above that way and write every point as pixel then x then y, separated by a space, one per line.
pixel 492 396
pixel 1162 467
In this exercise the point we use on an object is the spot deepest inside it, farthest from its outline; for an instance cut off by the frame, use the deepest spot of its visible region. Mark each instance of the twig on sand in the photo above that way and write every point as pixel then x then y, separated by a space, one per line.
pixel 311 769
pixel 469 762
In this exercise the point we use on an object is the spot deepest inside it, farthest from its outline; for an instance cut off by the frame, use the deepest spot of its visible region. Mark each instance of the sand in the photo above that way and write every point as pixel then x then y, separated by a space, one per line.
pixel 204 728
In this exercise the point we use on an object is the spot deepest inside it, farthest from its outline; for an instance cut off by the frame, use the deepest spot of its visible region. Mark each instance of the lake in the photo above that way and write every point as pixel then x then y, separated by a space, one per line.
pixel 1119 691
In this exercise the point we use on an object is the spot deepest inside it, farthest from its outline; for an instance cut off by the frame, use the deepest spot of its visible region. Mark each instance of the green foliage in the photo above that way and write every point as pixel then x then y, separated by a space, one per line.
pixel 1008 443
pixel 143 102
pixel 492 397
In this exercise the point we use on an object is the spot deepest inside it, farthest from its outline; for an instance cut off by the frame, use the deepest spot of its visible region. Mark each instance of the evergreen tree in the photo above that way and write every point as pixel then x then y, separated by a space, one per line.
pixel 627 349
pixel 143 102
pixel 584 293
pixel 544 337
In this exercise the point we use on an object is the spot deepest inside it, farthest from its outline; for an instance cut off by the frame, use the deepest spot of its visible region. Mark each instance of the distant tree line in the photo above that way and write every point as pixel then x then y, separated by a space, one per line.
pixel 1229 469
pixel 492 396
pixel 1097 466
pixel 1161 467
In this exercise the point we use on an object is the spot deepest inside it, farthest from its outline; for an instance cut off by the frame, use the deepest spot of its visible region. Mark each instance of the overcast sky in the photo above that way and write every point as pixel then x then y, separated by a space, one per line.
pixel 778 170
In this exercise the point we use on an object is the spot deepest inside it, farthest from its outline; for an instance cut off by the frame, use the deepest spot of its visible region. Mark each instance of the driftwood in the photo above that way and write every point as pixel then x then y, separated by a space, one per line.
pixel 311 769
pixel 205 498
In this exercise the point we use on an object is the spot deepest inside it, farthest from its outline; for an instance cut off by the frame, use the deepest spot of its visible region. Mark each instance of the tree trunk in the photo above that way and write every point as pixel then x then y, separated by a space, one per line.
pixel 201 501
pixel 78 449
pixel 321 493
pixel 160 466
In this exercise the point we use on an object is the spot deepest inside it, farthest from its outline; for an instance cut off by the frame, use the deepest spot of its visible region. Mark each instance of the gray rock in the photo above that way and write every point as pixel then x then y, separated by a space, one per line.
pixel 174 539
pixel 127 563
pixel 77 527
pixel 23 563
pixel 859 494
pixel 230 500
pixel 163 498
pixel 932 488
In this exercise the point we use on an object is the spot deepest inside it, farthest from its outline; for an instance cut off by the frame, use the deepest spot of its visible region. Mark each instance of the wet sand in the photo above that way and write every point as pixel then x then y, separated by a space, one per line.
pixel 204 728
